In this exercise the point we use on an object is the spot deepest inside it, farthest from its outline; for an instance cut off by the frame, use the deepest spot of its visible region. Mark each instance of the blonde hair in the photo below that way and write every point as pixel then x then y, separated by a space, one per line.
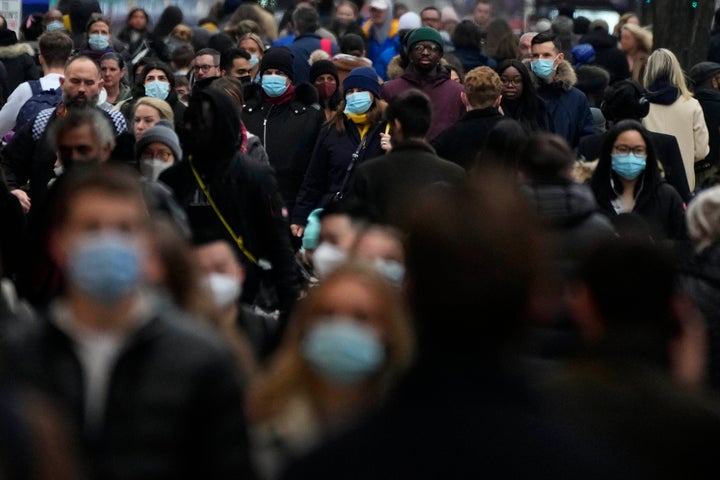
pixel 664 65
pixel 163 108
pixel 182 33
pixel 289 373
pixel 482 86
pixel 622 21
pixel 643 37
pixel 703 218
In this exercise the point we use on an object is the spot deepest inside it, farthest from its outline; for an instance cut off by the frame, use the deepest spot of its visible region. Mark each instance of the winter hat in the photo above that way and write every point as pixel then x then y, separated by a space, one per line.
pixel 625 99
pixel 409 21
pixel 424 34
pixel 703 71
pixel 161 132
pixel 280 58
pixel 7 38
pixel 311 235
pixel 703 218
pixel 362 77
pixel 583 53
pixel 323 67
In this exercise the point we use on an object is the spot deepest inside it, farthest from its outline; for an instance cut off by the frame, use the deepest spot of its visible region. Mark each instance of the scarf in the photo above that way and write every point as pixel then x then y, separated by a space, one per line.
pixel 361 122
pixel 284 98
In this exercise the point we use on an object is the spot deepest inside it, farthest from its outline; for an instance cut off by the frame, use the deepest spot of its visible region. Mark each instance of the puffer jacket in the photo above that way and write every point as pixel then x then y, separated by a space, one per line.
pixel 19 61
pixel 288 132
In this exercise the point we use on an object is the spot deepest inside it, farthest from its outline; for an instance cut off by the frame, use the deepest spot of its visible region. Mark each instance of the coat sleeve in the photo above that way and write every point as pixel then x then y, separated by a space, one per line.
pixel 700 133
pixel 16 157
pixel 587 126
pixel 315 182
pixel 677 226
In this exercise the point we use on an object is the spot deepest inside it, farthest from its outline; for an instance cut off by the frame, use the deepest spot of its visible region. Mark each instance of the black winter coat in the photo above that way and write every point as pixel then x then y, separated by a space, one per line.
pixel 462 142
pixel 288 132
pixel 174 400
pixel 709 99
pixel 608 55
pixel 329 166
pixel 246 194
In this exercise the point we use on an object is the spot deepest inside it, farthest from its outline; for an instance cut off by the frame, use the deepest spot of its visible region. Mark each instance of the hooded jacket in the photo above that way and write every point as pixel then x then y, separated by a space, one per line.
pixel 567 110
pixel 447 105
pixel 246 194
pixel 709 99
pixel 19 61
pixel 345 63
pixel 287 131
pixel 608 55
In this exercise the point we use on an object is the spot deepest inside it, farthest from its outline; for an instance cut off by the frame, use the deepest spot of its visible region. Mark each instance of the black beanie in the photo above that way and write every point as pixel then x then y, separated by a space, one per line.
pixel 624 99
pixel 280 58
pixel 323 67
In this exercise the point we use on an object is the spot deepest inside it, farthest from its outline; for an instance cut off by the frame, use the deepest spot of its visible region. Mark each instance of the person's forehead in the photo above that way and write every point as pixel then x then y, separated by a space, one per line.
pixel 544 47
pixel 203 59
pixel 96 206
pixel 241 62
pixel 80 135
pixel 82 68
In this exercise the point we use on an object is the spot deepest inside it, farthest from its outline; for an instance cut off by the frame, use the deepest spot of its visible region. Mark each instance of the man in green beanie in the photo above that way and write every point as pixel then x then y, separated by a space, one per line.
pixel 424 72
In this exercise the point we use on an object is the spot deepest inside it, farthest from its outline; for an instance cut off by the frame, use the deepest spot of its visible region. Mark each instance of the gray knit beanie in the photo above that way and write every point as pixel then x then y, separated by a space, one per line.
pixel 162 132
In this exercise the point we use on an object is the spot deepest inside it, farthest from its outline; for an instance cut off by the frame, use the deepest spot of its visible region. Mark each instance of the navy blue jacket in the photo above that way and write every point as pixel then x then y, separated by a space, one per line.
pixel 301 48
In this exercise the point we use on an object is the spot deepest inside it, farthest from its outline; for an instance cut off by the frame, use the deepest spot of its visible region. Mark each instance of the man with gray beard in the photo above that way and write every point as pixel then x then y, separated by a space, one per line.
pixel 28 156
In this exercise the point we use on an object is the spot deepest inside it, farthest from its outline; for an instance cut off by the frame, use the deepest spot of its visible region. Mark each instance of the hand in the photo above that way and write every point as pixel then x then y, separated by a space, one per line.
pixel 385 142
pixel 297 230
pixel 23 198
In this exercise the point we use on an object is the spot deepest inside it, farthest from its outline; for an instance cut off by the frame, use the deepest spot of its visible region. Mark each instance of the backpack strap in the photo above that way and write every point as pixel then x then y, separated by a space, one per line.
pixel 35 86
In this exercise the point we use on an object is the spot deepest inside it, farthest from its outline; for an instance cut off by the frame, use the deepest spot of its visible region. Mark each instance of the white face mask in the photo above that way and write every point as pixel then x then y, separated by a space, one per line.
pixel 225 289
pixel 151 169
pixel 392 270
pixel 326 258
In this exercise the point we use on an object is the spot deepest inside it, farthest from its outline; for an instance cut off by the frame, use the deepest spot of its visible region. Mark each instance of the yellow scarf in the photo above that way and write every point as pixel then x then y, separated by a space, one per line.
pixel 361 122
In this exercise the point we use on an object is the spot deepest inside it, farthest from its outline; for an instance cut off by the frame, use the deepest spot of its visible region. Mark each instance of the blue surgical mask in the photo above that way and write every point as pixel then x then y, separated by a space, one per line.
pixel 326 258
pixel 157 89
pixel 104 266
pixel 542 67
pixel 56 25
pixel 358 103
pixel 274 85
pixel 628 166
pixel 343 350
pixel 254 60
pixel 98 41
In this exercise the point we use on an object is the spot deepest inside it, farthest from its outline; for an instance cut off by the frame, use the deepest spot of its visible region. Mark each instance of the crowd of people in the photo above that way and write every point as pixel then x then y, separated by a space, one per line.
pixel 380 243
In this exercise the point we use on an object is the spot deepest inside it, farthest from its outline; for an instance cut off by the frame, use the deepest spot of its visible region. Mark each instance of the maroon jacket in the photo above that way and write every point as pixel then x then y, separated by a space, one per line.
pixel 447 106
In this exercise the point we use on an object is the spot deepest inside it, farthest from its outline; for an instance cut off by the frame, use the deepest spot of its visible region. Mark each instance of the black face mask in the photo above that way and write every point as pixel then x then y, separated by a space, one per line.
pixel 245 79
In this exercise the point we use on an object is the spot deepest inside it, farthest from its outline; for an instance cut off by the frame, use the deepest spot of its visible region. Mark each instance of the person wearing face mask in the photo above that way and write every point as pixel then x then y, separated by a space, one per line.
pixel 324 76
pixel 235 62
pixel 567 110
pixel 157 149
pixel 346 345
pixel 287 119
pixel 107 326
pixel 351 136
pixel 156 80
pixel 99 40
pixel 627 179
pixel 381 246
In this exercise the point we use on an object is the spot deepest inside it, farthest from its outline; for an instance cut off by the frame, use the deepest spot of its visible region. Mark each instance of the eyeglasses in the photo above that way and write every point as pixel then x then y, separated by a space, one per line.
pixel 421 47
pixel 517 81
pixel 640 150
pixel 163 155
pixel 204 68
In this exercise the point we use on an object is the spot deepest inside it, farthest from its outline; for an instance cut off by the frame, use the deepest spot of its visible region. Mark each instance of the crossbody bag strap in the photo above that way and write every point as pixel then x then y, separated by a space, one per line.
pixel 353 160
pixel 238 239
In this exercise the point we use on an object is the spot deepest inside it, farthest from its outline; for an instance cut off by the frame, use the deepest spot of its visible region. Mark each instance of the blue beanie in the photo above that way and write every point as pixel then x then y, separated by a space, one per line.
pixel 362 77
pixel 311 235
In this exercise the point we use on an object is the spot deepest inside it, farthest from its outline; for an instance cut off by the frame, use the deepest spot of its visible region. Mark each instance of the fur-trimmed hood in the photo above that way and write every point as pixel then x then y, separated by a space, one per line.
pixel 305 94
pixel 394 68
pixel 564 75
pixel 12 51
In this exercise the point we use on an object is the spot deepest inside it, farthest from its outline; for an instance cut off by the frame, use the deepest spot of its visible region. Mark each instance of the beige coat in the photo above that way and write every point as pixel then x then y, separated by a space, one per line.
pixel 683 119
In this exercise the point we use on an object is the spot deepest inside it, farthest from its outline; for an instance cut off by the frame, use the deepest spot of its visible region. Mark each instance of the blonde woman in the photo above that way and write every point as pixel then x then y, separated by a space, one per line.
pixel 636 43
pixel 147 112
pixel 346 344
pixel 674 111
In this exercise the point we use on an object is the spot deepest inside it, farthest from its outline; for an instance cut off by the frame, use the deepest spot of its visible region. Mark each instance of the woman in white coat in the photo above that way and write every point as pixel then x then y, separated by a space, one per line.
pixel 674 111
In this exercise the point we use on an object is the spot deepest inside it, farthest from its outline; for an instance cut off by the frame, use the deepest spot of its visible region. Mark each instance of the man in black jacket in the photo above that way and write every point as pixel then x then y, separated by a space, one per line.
pixel 224 192
pixel 462 142
pixel 151 392
pixel 706 78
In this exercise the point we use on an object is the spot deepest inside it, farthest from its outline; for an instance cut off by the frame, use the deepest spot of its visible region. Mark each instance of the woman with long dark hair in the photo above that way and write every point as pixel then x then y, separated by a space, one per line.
pixel 519 96
pixel 627 180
